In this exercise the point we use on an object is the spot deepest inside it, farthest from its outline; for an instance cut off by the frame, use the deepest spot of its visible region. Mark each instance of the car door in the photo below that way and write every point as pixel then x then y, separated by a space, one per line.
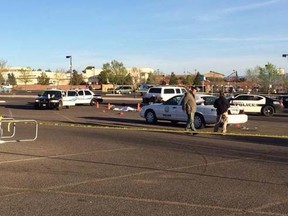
pixel 83 97
pixel 88 96
pixel 250 103
pixel 69 98
pixel 172 109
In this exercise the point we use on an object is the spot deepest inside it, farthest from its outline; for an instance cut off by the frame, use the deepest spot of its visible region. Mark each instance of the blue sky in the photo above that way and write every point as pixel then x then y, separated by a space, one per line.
pixel 169 35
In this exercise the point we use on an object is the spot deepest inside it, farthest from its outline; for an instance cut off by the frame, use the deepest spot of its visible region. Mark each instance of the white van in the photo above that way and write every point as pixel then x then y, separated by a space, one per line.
pixel 162 93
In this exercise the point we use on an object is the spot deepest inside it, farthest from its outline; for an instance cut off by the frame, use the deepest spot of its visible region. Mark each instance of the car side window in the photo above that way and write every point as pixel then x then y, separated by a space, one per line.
pixel 209 100
pixel 244 97
pixel 173 100
pixel 155 90
pixel 88 93
pixel 80 93
pixel 169 91
pixel 71 93
pixel 178 91
pixel 257 98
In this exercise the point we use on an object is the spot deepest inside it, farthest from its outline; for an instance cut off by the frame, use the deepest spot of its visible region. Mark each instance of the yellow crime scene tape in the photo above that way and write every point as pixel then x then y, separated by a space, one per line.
pixel 87 125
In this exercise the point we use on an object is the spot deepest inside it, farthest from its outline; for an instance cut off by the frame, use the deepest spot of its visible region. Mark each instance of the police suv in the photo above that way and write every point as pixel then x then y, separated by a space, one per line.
pixel 257 104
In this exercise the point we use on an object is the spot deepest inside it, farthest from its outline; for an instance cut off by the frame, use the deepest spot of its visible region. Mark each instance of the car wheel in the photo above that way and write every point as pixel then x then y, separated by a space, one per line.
pixel 93 102
pixel 150 117
pixel 199 121
pixel 60 105
pixel 268 111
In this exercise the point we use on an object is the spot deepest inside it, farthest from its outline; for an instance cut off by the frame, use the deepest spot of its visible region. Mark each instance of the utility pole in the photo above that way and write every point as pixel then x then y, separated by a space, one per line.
pixel 71 70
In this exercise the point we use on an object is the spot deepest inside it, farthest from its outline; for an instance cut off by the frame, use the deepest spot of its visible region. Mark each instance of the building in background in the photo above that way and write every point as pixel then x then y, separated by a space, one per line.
pixel 27 76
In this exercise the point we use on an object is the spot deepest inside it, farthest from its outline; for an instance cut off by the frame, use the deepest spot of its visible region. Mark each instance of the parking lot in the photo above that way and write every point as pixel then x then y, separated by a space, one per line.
pixel 95 161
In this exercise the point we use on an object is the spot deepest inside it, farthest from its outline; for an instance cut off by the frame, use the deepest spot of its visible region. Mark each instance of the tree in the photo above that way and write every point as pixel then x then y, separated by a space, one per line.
pixel 2 64
pixel 128 80
pixel 116 72
pixel 11 79
pixel 59 76
pixel 173 79
pixel 25 76
pixel 269 77
pixel 77 79
pixel 43 79
pixel 197 79
pixel 2 80
pixel 151 78
pixel 136 74
pixel 188 80
pixel 2 69
pixel 103 77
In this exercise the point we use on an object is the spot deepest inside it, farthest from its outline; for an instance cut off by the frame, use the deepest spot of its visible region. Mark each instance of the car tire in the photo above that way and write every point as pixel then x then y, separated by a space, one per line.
pixel 60 105
pixel 150 117
pixel 93 102
pixel 268 111
pixel 199 121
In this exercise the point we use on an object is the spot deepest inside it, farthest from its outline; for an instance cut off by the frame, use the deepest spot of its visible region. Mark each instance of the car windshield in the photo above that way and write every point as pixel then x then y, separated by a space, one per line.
pixel 52 94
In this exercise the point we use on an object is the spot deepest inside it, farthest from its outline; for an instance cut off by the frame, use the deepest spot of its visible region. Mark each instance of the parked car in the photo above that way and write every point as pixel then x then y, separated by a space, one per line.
pixel 257 104
pixel 57 99
pixel 124 90
pixel 162 93
pixel 171 110
pixel 143 88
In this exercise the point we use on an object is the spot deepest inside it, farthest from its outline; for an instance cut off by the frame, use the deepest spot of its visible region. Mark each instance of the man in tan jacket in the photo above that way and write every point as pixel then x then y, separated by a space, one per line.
pixel 189 105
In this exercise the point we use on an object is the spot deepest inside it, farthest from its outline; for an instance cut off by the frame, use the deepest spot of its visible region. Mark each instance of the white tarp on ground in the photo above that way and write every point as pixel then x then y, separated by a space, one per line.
pixel 124 109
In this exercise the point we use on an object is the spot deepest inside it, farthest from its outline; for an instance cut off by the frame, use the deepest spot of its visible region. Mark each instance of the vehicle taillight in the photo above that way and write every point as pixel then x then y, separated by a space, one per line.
pixel 241 111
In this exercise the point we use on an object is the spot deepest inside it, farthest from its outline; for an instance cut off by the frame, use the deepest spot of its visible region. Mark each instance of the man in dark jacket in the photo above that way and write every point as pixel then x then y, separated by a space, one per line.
pixel 222 106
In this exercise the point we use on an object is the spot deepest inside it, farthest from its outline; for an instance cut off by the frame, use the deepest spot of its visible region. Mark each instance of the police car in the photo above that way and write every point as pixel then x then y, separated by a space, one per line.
pixel 258 104
pixel 171 110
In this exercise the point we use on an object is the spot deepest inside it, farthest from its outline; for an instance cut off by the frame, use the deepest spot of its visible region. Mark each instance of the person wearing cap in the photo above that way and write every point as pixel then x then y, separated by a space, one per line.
pixel 222 106
pixel 189 106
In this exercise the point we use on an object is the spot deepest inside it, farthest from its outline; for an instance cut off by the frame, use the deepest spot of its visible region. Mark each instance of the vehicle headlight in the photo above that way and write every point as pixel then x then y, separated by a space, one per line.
pixel 37 100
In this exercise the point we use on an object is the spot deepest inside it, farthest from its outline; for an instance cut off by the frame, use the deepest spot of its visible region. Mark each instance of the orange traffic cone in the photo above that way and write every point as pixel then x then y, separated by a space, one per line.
pixel 109 106
pixel 97 105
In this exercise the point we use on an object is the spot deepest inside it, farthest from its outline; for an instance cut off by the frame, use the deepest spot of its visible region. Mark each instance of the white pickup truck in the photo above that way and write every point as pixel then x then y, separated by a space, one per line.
pixel 56 98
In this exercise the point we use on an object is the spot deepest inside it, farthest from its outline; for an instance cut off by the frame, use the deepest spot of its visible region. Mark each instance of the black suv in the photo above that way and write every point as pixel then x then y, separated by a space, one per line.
pixel 49 99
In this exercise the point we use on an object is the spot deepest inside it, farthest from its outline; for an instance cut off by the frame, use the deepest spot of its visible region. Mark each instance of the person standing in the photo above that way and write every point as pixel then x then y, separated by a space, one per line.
pixel 222 105
pixel 189 106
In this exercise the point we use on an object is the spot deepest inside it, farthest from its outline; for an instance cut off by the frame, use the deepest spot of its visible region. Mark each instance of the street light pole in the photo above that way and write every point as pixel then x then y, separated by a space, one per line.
pixel 71 69
pixel 285 56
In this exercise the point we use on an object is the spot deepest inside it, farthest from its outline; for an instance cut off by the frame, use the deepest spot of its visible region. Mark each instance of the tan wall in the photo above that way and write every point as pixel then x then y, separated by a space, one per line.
pixel 44 87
